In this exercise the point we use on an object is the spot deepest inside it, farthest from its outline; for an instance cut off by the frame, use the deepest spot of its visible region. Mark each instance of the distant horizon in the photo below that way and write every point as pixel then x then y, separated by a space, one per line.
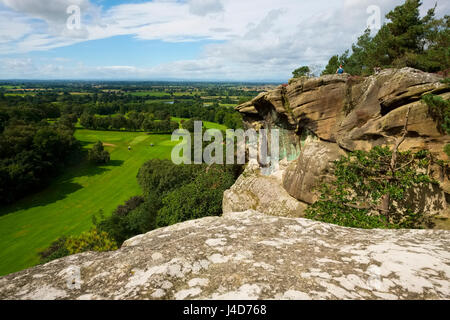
pixel 150 80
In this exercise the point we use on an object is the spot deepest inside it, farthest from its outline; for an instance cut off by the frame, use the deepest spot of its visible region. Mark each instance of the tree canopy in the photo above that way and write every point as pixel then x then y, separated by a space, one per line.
pixel 406 40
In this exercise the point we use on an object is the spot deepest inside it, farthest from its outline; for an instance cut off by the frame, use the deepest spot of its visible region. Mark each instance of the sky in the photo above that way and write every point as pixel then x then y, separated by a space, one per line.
pixel 207 40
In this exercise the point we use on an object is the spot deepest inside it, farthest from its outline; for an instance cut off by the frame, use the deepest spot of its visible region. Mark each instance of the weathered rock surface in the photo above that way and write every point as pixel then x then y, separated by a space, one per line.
pixel 355 112
pixel 311 169
pixel 263 193
pixel 250 256
pixel 350 113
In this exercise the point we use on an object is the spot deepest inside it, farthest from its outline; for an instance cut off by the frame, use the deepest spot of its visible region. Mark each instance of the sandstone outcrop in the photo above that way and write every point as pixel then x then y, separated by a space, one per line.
pixel 343 113
pixel 355 112
pixel 311 169
pixel 249 255
pixel 263 193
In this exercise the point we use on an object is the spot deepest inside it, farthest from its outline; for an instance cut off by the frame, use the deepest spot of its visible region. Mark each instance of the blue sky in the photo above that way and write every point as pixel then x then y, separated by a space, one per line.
pixel 254 40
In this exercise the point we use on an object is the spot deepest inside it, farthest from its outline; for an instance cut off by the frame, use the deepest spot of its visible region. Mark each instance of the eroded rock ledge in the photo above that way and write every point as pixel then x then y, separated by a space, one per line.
pixel 250 256
pixel 322 118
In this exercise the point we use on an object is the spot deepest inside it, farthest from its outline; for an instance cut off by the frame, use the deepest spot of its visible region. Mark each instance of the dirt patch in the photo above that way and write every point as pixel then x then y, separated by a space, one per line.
pixel 109 145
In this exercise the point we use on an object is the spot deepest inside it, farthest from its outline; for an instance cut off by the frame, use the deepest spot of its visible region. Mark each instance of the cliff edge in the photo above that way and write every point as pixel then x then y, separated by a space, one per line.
pixel 249 255
pixel 321 119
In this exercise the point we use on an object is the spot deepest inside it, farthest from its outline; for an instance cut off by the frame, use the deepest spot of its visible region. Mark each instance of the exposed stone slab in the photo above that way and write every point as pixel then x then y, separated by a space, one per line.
pixel 263 193
pixel 250 256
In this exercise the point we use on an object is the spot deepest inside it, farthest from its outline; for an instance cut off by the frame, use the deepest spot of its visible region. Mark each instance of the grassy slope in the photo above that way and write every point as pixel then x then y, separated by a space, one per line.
pixel 208 125
pixel 67 206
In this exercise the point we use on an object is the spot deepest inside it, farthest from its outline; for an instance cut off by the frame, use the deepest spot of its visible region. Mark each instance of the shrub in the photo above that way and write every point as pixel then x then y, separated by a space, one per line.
pixel 367 191
pixel 93 240
pixel 98 154
pixel 439 110
pixel 200 198
pixel 56 250
pixel 301 72
pixel 172 194
pixel 161 176
pixel 133 218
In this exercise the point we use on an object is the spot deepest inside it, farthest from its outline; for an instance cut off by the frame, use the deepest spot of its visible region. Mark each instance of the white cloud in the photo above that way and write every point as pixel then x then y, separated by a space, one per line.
pixel 52 11
pixel 260 39
pixel 205 7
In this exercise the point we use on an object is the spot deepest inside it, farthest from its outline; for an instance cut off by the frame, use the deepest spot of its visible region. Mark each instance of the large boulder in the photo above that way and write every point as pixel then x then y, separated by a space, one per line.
pixel 356 112
pixel 312 168
pixel 250 256
pixel 317 104
pixel 264 193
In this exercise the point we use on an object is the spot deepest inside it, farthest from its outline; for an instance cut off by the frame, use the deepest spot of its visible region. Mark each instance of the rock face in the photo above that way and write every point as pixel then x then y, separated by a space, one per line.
pixel 249 255
pixel 264 193
pixel 345 113
pixel 311 169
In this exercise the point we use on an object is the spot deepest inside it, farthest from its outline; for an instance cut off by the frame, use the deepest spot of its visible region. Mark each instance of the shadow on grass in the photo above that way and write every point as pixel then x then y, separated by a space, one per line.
pixel 60 187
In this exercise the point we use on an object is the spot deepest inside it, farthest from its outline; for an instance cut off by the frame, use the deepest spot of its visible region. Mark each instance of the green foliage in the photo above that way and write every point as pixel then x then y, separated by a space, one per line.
pixel 98 154
pixel 93 240
pixel 96 188
pixel 172 194
pixel 189 124
pixel 406 40
pixel 334 62
pixel 162 176
pixel 363 181
pixel 200 198
pixel 447 149
pixel 56 250
pixel 338 212
pixel 439 110
pixel 301 72
pixel 132 218
pixel 30 153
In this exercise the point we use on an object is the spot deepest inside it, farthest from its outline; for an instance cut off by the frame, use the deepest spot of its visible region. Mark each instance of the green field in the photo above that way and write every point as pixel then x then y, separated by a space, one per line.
pixel 20 94
pixel 68 204
pixel 8 86
pixel 208 125
pixel 150 94
pixel 163 93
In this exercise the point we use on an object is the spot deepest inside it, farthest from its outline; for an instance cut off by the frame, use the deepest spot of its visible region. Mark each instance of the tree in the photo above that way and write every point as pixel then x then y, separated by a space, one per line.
pixel 31 153
pixel 198 199
pixel 301 72
pixel 436 57
pixel 118 122
pixel 161 176
pixel 68 120
pixel 87 120
pixel 98 154
pixel 332 65
pixel 367 193
pixel 406 40
pixel 369 188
